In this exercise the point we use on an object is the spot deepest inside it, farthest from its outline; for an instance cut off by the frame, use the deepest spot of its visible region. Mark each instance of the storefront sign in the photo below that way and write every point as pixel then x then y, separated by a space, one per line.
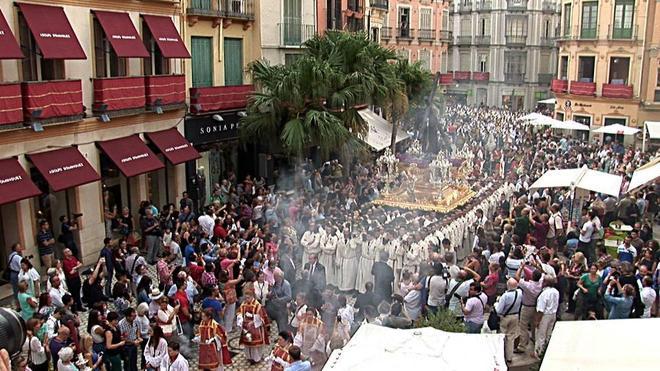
pixel 203 130
pixel 616 107
pixel 582 105
pixel 12 179
pixel 135 157
pixel 66 168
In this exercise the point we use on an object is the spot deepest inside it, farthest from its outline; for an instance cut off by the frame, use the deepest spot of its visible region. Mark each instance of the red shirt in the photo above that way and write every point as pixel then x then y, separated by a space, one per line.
pixel 196 272
pixel 182 297
pixel 490 284
pixel 68 264
pixel 219 232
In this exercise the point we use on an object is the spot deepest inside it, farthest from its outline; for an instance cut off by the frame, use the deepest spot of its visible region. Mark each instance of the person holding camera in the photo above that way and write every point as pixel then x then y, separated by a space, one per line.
pixel 66 232
pixel 14 265
pixel 473 308
pixel 620 306
pixel 151 233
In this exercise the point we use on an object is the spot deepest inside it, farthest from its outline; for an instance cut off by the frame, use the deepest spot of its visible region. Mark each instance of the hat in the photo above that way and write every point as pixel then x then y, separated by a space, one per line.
pixel 155 294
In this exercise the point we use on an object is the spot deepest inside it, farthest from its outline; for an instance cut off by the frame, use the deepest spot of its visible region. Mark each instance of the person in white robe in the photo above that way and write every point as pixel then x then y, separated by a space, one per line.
pixel 328 245
pixel 366 263
pixel 310 241
pixel 347 260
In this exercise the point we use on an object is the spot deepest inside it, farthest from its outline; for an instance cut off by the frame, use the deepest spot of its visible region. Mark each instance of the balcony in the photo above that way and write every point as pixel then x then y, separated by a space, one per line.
pixel 617 91
pixel 446 36
pixel 53 101
pixel 516 41
pixel 482 40
pixel 379 4
pixel 123 95
pixel 589 33
pixel 354 24
pixel 465 8
pixel 11 108
pixel 446 79
pixel 426 35
pixel 514 77
pixel 385 33
pixel 480 76
pixel 545 78
pixel 559 86
pixel 238 9
pixel 483 6
pixel 548 42
pixel 165 91
pixel 516 5
pixel 464 40
pixel 621 33
pixel 204 9
pixel 549 7
pixel 461 75
pixel 354 6
pixel 404 33
pixel 294 34
pixel 583 88
pixel 219 98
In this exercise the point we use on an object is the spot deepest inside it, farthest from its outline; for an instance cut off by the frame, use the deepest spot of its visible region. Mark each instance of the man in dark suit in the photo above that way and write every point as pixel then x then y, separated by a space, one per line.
pixel 383 278
pixel 287 265
pixel 316 273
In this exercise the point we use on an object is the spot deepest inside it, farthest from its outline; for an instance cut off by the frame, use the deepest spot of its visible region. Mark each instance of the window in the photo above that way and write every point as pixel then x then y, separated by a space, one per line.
pixel 33 66
pixel 465 61
pixel 425 18
pixel 484 27
pixel 156 64
pixel 425 59
pixel 202 61
pixel 582 119
pixel 547 64
pixel 404 22
pixel 403 54
pixel 563 68
pixel 546 29
pixel 516 26
pixel 623 19
pixel 567 20
pixel 466 27
pixel 375 34
pixel 619 67
pixel 515 63
pixel 445 20
pixel 586 69
pixel 589 20
pixel 233 58
pixel 483 63
pixel 559 116
pixel 106 61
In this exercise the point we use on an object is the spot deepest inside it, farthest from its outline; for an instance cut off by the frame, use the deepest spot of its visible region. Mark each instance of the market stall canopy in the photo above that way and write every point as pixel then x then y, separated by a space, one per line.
pixel 531 116
pixel 602 345
pixel 653 127
pixel 381 348
pixel 617 129
pixel 548 101
pixel 645 174
pixel 544 121
pixel 584 178
pixel 569 125
pixel 379 135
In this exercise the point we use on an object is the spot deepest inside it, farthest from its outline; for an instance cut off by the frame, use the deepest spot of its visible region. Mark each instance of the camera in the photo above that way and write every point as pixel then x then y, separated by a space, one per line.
pixel 76 215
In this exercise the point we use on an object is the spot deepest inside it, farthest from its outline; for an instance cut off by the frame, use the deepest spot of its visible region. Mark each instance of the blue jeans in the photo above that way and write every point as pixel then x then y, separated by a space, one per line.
pixel 473 327
pixel 130 357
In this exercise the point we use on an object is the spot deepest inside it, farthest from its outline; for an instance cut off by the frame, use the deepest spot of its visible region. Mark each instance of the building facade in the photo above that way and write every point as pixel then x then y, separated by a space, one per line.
pixel 93 99
pixel 347 15
pixel 418 31
pixel 504 51
pixel 608 69
pixel 223 37
pixel 285 25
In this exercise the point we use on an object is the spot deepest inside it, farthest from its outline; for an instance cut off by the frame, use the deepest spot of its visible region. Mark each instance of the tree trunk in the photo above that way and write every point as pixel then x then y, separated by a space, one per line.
pixel 395 127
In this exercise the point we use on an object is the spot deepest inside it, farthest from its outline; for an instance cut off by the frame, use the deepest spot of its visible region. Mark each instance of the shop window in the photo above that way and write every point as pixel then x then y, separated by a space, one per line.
pixel 34 66
pixel 619 68
pixel 156 64
pixel 586 69
pixel 106 61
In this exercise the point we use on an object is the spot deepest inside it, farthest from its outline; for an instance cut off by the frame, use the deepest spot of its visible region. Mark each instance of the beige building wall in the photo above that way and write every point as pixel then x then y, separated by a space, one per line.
pixel 271 16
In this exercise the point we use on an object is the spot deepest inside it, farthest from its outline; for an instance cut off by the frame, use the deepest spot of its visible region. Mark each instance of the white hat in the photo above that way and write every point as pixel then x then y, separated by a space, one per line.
pixel 155 294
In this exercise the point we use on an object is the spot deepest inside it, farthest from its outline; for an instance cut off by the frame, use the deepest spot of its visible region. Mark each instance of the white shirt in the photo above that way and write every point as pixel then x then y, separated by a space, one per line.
pixel 31 276
pixel 587 231
pixel 648 296
pixel 207 223
pixel 156 356
pixel 33 345
pixel 548 301
pixel 56 296
pixel 437 291
pixel 179 364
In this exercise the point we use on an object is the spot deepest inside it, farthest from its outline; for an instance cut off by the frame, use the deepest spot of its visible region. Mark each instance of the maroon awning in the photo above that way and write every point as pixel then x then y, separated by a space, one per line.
pixel 174 146
pixel 131 155
pixel 52 31
pixel 15 184
pixel 167 37
pixel 121 33
pixel 64 168
pixel 9 48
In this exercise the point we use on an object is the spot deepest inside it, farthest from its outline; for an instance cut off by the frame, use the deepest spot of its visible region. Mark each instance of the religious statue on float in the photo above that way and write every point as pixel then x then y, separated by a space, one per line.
pixel 440 170
pixel 387 165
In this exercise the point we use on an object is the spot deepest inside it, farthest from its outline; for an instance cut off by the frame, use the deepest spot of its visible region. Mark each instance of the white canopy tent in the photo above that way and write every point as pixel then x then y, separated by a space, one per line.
pixel 603 345
pixel 380 348
pixel 653 129
pixel 379 135
pixel 531 116
pixel 548 101
pixel 645 175
pixel 616 129
pixel 584 178
pixel 544 121
pixel 569 125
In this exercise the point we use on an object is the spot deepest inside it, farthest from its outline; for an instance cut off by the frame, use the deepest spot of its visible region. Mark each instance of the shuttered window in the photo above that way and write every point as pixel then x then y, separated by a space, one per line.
pixel 425 59
pixel 233 58
pixel 202 61
pixel 425 19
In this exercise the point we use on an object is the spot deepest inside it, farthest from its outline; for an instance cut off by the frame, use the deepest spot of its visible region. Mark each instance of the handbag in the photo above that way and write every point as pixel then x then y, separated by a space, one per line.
pixel 494 318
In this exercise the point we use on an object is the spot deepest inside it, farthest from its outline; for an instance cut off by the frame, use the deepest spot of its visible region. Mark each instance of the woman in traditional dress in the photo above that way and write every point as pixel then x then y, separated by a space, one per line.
pixel 254 322
pixel 311 335
pixel 213 351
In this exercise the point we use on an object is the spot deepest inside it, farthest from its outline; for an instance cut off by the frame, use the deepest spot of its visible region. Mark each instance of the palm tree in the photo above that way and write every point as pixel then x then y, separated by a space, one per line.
pixel 315 100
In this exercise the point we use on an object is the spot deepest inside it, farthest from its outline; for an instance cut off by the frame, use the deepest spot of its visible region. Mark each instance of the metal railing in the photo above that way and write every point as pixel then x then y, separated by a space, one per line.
pixel 209 8
pixel 622 33
pixel 405 33
pixel 240 9
pixel 464 40
pixel 545 78
pixel 385 33
pixel 482 40
pixel 514 77
pixel 588 33
pixel 549 7
pixel 548 41
pixel 516 40
pixel 516 5
pixel 379 4
pixel 446 36
pixel 483 6
pixel 426 34
pixel 465 8
pixel 294 34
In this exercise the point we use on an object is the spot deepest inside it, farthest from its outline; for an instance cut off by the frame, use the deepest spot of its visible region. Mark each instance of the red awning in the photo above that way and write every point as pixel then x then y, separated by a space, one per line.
pixel 131 155
pixel 15 184
pixel 64 168
pixel 9 48
pixel 52 31
pixel 121 33
pixel 174 146
pixel 167 37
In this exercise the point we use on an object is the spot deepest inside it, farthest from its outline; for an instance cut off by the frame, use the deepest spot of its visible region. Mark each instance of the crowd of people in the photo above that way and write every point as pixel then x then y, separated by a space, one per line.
pixel 312 255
